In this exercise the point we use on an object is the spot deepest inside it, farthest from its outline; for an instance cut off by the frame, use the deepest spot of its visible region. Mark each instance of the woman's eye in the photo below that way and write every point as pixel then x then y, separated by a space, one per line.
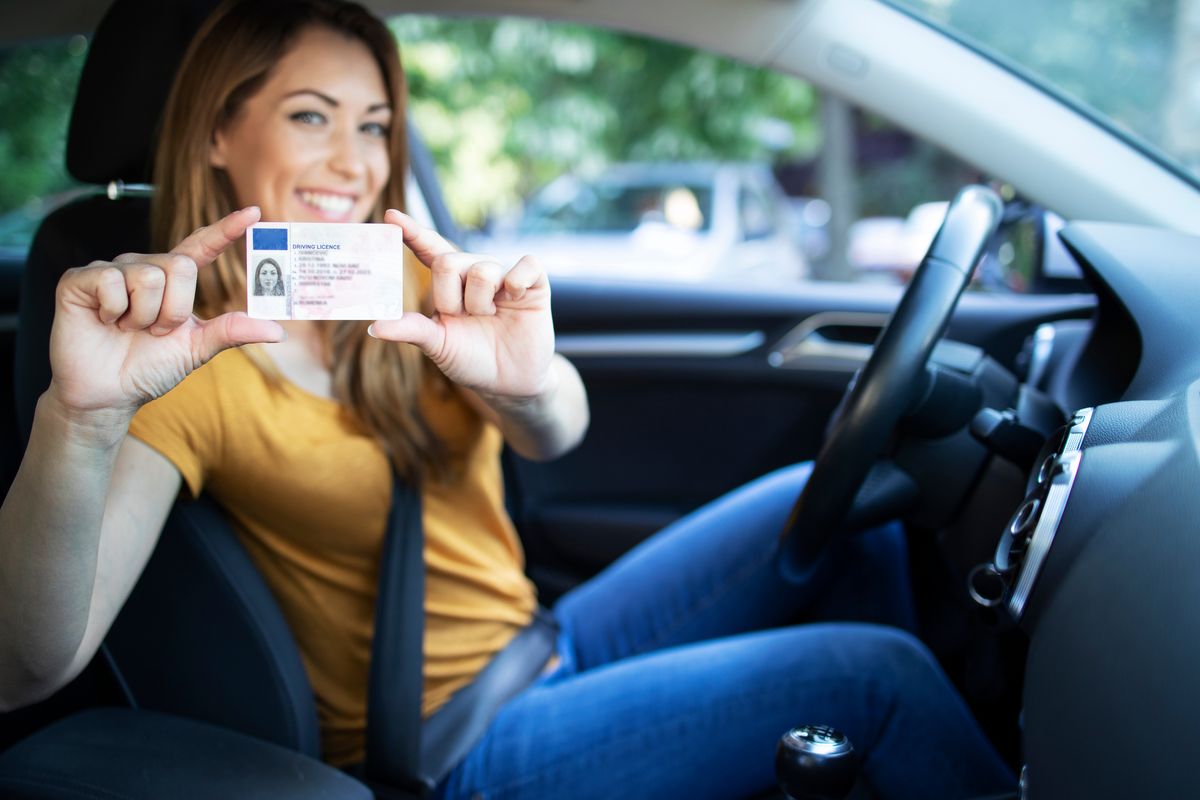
pixel 308 117
pixel 376 129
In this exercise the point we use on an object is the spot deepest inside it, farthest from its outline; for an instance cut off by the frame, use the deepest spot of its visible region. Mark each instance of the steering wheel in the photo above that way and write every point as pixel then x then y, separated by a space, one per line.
pixel 891 382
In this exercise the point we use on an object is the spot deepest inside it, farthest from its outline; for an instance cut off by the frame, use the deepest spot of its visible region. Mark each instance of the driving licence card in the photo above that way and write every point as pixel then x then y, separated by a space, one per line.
pixel 324 270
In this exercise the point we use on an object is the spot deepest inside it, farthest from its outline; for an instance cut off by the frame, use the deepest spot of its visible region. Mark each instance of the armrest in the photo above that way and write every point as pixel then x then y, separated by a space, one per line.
pixel 121 754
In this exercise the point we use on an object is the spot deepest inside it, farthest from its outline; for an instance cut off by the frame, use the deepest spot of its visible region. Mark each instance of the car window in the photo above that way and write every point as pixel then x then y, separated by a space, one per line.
pixel 610 156
pixel 617 157
pixel 37 87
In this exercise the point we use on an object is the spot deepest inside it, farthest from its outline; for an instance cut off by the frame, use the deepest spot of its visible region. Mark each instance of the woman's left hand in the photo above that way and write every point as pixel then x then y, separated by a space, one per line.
pixel 491 329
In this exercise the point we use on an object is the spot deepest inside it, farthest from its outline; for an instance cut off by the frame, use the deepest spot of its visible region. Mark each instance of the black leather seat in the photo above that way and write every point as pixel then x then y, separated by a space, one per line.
pixel 120 754
pixel 200 636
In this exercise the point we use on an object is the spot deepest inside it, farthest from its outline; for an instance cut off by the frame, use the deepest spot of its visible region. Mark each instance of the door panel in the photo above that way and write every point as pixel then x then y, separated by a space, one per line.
pixel 697 390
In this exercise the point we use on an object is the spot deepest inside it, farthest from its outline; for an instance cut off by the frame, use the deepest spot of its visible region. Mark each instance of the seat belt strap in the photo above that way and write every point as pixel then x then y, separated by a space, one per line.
pixel 393 752
pixel 457 726
pixel 401 751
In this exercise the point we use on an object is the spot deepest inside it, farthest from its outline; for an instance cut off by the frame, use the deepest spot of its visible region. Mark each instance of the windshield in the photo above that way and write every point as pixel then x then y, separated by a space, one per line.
pixel 1133 63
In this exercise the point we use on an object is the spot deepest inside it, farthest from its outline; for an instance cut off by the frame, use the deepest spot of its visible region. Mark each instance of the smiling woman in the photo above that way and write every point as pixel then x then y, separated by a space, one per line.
pixel 300 115
pixel 306 155
pixel 685 649
pixel 694 391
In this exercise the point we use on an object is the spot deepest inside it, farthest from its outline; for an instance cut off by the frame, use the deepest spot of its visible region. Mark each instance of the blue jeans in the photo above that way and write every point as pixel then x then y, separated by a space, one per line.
pixel 676 679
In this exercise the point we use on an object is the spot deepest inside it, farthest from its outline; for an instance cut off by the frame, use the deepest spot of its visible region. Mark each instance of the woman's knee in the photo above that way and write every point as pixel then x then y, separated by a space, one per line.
pixel 902 669
pixel 887 655
pixel 904 653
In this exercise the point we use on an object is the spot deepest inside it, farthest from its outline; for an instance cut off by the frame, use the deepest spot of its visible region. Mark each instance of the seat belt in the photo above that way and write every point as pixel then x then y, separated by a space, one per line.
pixel 402 752
pixel 393 752
pixel 453 730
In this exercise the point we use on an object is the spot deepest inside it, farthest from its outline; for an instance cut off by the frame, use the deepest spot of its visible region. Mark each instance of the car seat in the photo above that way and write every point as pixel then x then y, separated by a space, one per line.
pixel 200 642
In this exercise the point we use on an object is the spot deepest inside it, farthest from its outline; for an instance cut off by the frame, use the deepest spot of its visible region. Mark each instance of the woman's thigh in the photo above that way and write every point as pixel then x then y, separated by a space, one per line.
pixel 714 573
pixel 702 721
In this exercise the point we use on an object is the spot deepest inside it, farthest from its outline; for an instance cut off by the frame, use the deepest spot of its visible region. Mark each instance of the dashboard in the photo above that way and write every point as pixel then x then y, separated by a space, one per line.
pixel 1100 562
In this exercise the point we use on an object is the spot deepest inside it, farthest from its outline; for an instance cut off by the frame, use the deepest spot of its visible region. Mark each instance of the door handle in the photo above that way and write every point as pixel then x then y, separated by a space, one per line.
pixel 831 341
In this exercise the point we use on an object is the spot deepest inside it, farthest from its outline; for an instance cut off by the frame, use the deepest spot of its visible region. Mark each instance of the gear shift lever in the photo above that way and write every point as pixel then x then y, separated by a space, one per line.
pixel 815 762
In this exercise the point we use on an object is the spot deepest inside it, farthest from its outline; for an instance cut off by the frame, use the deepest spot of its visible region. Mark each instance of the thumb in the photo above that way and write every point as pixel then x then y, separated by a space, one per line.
pixel 233 329
pixel 414 328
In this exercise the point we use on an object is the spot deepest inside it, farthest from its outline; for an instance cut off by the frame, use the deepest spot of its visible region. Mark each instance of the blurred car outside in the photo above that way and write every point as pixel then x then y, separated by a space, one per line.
pixel 688 222
pixel 810 226
pixel 889 249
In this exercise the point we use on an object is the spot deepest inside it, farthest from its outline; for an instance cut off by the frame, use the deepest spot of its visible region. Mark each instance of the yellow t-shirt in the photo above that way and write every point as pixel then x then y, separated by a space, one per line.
pixel 308 492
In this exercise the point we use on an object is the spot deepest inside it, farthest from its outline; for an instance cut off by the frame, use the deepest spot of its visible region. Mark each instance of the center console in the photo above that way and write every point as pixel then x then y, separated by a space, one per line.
pixel 1026 540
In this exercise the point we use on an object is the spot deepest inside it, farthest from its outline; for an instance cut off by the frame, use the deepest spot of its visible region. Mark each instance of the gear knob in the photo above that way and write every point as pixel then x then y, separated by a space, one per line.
pixel 816 762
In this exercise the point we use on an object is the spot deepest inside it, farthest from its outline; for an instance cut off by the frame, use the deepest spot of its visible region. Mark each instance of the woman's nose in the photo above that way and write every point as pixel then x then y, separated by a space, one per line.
pixel 346 157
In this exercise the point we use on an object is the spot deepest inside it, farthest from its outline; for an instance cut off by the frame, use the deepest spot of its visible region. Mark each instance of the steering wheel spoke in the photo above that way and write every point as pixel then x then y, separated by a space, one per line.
pixel 886 390
pixel 886 494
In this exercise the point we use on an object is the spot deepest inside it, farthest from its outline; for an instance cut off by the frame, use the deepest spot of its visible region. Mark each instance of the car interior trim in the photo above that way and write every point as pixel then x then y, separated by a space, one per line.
pixel 118 189
pixel 657 344
pixel 811 345
pixel 1039 357
pixel 1061 476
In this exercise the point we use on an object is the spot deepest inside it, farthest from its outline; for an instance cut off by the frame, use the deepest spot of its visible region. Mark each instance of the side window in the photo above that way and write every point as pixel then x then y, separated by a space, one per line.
pixel 617 157
pixel 37 88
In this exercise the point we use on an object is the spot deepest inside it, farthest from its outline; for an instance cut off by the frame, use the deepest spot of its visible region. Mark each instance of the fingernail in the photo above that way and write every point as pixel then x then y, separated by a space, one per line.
pixel 248 208
pixel 371 330
pixel 159 330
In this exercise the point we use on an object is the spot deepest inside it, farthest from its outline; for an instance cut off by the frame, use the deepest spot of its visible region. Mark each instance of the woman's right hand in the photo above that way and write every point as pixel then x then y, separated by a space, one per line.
pixel 124 332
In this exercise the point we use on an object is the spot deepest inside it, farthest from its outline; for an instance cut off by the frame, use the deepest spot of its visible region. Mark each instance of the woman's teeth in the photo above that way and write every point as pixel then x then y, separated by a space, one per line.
pixel 330 203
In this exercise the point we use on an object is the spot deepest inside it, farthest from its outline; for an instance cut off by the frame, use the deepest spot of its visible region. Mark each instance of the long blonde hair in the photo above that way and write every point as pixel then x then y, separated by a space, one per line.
pixel 228 61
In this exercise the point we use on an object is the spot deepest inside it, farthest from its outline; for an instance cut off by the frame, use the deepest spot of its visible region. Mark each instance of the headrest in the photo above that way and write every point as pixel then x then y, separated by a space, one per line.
pixel 130 66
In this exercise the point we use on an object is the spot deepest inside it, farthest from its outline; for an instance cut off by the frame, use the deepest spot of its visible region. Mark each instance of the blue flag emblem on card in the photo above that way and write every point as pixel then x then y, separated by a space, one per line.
pixel 270 238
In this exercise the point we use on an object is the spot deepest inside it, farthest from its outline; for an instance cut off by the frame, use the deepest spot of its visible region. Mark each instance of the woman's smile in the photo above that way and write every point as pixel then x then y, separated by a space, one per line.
pixel 332 206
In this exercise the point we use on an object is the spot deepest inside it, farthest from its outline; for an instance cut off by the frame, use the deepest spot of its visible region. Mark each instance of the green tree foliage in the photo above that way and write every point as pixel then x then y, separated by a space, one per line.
pixel 37 88
pixel 506 105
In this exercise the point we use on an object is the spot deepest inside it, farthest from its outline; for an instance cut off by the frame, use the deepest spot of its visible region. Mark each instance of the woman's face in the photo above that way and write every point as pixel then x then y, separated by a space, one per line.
pixel 268 276
pixel 312 144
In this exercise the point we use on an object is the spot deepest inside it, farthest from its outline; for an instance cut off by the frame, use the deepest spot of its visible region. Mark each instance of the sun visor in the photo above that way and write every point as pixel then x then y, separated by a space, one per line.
pixel 130 64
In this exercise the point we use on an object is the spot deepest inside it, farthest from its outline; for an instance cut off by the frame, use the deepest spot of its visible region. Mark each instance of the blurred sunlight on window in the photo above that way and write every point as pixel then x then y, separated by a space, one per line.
pixel 682 210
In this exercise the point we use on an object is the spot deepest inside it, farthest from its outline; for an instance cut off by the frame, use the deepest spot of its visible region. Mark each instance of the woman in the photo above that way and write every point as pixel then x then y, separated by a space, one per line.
pixel 659 687
pixel 267 280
